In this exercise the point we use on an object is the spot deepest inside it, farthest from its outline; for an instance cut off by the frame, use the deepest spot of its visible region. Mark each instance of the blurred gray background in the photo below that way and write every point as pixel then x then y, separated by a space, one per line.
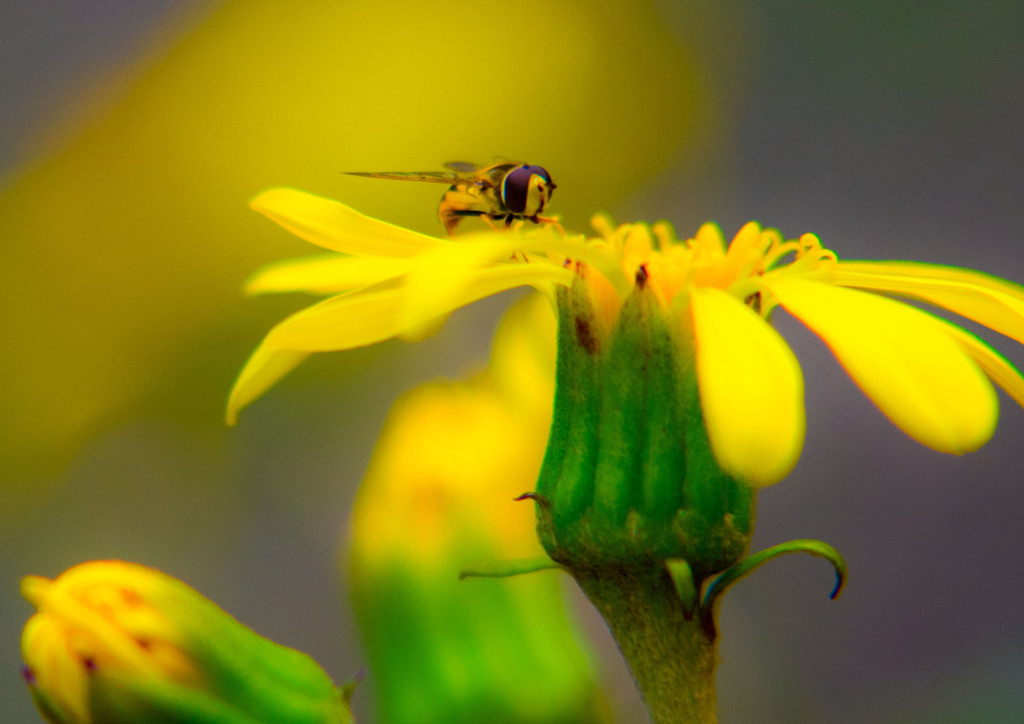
pixel 890 129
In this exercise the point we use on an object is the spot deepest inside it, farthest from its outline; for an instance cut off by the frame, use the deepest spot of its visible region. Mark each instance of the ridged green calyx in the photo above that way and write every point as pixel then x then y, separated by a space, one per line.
pixel 629 476
pixel 632 501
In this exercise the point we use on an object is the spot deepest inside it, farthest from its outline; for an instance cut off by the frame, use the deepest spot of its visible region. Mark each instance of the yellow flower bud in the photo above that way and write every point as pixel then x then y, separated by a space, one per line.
pixel 115 642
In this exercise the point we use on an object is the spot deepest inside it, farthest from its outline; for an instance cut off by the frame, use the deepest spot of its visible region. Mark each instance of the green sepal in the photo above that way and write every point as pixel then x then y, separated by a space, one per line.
pixel 114 700
pixel 682 577
pixel 751 563
pixel 507 568
pixel 621 427
pixel 665 462
pixel 122 700
pixel 272 682
pixel 566 479
pixel 240 676
pixel 641 458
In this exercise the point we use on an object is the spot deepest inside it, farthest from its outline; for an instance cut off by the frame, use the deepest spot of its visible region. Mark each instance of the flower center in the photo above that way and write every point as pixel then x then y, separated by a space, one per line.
pixel 671 267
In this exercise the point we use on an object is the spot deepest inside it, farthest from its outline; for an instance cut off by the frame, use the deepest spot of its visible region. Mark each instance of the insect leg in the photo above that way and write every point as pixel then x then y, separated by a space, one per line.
pixel 553 220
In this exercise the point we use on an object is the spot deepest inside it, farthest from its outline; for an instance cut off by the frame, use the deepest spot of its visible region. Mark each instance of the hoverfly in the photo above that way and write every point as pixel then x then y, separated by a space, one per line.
pixel 501 191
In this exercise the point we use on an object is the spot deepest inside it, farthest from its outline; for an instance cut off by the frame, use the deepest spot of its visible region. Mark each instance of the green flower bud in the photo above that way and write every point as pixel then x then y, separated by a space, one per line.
pixel 629 477
pixel 116 642
pixel 438 497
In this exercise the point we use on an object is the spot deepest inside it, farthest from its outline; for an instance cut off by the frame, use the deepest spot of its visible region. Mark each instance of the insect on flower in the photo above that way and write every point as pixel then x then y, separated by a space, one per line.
pixel 500 191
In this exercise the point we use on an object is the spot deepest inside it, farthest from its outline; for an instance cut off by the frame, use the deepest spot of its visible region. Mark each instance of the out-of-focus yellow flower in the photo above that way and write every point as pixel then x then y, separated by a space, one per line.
pixel 118 642
pixel 453 456
pixel 930 377
pixel 439 495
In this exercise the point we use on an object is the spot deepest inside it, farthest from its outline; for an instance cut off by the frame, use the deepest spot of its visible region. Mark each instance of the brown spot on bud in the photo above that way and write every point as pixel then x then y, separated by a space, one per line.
pixel 585 336
pixel 641 276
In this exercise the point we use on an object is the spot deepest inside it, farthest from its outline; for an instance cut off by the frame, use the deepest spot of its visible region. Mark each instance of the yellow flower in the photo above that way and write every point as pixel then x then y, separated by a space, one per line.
pixel 115 642
pixel 928 376
pixel 423 503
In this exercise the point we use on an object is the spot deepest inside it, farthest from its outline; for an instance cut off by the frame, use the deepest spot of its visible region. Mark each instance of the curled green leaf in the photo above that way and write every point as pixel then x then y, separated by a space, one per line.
pixel 747 565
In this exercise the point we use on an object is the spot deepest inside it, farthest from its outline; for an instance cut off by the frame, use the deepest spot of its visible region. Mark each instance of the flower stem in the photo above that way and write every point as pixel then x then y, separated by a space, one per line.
pixel 672 657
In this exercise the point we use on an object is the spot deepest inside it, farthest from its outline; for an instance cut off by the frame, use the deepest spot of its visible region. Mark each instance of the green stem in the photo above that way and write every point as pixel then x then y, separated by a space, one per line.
pixel 671 655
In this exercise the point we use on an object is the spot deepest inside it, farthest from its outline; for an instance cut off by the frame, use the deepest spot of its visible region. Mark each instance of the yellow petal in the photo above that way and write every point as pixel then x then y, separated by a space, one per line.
pixel 745 251
pixel 362 318
pixel 991 362
pixel 418 310
pixel 326 274
pixel 996 303
pixel 265 367
pixel 345 321
pixel 441 280
pixel 439 277
pixel 335 226
pixel 354 320
pixel 637 247
pixel 903 359
pixel 709 240
pixel 751 389
pixel 608 263
pixel 44 650
pixel 747 240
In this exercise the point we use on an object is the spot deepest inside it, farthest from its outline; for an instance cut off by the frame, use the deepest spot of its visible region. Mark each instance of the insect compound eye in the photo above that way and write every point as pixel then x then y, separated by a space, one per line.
pixel 542 172
pixel 515 187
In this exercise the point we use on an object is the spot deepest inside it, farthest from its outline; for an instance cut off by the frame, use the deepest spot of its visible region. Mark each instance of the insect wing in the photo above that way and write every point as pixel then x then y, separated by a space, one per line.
pixel 486 176
pixel 438 177
pixel 462 167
